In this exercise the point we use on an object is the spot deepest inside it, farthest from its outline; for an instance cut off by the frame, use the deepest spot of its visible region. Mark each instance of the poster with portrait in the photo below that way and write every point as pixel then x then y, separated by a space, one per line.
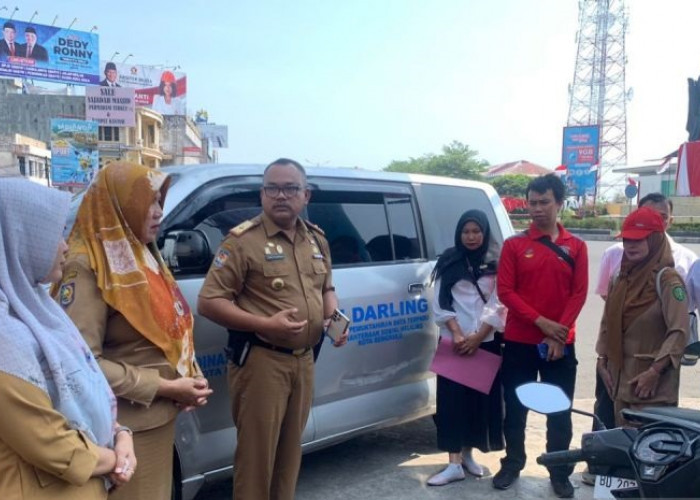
pixel 580 155
pixel 74 155
pixel 48 53
pixel 161 89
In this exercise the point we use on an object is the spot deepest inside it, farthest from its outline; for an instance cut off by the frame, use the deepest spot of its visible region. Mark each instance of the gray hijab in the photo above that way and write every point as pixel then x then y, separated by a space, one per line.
pixel 39 342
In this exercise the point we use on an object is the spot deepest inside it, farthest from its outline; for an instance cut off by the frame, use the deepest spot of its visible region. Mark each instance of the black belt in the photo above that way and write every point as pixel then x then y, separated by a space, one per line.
pixel 255 340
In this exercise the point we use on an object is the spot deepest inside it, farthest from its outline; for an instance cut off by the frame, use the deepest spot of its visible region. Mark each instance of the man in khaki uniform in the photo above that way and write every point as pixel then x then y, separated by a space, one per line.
pixel 270 285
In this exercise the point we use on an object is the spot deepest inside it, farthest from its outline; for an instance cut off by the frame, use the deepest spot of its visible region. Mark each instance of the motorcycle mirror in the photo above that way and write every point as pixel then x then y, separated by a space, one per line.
pixel 543 398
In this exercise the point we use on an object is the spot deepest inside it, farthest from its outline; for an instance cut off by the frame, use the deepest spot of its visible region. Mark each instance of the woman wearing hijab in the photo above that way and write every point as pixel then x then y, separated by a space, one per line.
pixel 468 313
pixel 645 321
pixel 130 311
pixel 58 434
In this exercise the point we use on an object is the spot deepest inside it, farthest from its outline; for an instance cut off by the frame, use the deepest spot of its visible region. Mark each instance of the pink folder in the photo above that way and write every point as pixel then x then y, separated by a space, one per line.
pixel 477 370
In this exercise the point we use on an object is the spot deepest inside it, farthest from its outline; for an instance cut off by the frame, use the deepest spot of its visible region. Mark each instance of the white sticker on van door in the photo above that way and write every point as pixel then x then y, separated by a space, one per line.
pixel 387 321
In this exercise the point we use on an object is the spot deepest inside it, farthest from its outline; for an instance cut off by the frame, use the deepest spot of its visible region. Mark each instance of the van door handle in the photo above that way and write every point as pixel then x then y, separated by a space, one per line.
pixel 416 288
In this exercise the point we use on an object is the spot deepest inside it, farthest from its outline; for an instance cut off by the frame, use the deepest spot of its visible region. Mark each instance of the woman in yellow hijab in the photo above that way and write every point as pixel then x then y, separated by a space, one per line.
pixel 130 311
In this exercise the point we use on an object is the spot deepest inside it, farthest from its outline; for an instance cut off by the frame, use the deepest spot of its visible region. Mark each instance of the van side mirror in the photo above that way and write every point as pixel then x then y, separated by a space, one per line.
pixel 186 251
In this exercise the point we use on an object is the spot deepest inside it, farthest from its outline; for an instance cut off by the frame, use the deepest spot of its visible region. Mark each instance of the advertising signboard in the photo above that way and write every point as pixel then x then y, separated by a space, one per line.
pixel 161 89
pixel 580 155
pixel 74 155
pixel 110 106
pixel 50 53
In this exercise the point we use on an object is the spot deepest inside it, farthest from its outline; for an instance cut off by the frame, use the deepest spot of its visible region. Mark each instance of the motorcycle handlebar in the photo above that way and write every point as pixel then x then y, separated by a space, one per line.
pixel 561 457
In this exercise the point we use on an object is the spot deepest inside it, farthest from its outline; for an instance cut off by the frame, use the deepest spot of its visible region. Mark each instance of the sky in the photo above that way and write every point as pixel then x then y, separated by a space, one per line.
pixel 360 83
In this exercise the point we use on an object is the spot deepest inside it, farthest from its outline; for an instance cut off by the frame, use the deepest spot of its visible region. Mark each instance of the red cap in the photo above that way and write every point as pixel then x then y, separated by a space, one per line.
pixel 641 223
pixel 167 77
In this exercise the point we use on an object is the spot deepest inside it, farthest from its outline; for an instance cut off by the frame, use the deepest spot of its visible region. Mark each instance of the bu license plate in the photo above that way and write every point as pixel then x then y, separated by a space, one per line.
pixel 605 484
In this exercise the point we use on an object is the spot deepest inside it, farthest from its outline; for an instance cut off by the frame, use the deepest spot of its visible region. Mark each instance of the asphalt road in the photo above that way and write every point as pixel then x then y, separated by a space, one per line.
pixel 394 464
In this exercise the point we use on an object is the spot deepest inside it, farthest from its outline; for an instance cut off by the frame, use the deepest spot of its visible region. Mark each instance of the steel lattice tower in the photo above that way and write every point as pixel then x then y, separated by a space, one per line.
pixel 598 94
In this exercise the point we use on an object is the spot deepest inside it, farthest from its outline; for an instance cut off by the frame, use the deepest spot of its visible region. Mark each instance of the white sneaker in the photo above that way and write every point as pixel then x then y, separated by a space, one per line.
pixel 472 467
pixel 451 473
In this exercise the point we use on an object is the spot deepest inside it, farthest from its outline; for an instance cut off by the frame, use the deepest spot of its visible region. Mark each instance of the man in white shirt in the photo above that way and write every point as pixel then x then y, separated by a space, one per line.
pixel 609 267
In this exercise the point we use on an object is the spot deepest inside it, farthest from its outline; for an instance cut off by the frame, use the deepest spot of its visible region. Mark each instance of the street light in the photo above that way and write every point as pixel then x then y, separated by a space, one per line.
pixel 127 57
pixel 93 29
pixel 114 55
pixel 33 16
pixel 54 20
pixel 72 23
pixel 13 12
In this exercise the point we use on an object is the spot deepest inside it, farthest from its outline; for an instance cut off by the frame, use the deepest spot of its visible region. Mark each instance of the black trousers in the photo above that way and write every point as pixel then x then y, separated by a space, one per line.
pixel 604 408
pixel 522 364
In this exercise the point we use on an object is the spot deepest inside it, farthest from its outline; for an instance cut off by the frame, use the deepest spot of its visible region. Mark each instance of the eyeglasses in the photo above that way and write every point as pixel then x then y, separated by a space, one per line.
pixel 289 191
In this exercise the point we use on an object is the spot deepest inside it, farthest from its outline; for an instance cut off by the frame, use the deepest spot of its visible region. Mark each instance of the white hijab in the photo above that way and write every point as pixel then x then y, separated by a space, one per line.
pixel 39 343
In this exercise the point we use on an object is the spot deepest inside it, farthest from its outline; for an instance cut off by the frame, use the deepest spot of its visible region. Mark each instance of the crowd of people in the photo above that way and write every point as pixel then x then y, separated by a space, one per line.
pixel 95 371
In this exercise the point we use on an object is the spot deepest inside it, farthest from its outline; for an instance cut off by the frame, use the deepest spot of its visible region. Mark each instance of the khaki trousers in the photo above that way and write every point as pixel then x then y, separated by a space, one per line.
pixel 271 398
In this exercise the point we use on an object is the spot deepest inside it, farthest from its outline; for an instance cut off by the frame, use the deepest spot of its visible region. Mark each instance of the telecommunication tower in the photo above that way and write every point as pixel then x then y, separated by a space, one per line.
pixel 598 94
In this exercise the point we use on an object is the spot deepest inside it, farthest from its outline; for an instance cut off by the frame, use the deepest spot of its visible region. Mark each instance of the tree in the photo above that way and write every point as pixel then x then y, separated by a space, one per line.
pixel 510 185
pixel 456 160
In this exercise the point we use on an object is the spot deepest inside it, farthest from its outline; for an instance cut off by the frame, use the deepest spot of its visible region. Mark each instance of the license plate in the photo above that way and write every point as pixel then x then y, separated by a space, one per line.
pixel 605 484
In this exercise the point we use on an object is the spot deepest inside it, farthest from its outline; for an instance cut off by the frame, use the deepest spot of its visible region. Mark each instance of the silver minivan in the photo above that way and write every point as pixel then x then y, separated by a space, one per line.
pixel 385 231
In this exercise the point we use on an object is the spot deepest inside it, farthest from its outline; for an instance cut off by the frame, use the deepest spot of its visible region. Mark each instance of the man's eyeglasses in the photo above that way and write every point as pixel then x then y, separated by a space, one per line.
pixel 289 191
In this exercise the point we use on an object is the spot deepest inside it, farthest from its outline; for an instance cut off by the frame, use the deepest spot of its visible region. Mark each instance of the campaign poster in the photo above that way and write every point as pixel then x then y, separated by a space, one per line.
pixel 74 155
pixel 160 89
pixel 110 106
pixel 49 53
pixel 580 155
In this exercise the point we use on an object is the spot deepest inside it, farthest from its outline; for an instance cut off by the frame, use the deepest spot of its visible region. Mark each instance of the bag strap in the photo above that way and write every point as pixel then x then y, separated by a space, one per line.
pixel 546 241
pixel 658 281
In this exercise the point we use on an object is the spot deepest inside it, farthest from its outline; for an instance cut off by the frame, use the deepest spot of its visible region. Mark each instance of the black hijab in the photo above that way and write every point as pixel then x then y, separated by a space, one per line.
pixel 457 263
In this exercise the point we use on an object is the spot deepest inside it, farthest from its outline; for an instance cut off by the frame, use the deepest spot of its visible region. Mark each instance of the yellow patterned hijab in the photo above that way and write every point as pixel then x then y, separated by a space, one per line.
pixel 132 276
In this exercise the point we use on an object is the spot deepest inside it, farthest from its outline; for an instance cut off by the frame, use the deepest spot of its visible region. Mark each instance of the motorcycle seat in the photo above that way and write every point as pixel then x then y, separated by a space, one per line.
pixel 660 413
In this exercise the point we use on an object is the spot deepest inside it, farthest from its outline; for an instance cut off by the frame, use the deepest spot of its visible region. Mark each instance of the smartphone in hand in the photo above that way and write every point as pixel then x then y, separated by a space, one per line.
pixel 339 323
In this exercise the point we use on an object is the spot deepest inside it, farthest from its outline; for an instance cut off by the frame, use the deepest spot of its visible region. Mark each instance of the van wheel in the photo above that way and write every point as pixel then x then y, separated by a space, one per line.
pixel 176 493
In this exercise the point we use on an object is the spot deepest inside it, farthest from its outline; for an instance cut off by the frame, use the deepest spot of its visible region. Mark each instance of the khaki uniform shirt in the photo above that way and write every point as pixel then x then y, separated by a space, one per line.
pixel 259 268
pixel 131 363
pixel 660 331
pixel 41 458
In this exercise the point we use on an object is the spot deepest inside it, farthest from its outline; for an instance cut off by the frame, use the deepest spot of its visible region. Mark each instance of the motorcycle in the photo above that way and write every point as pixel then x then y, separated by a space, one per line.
pixel 659 459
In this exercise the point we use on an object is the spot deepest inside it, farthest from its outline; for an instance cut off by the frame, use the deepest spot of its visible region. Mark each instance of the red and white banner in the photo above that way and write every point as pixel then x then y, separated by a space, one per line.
pixel 688 174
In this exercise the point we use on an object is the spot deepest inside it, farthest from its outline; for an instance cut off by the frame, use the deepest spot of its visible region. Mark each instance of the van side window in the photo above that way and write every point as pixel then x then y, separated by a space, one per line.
pixel 364 227
pixel 442 206
pixel 211 211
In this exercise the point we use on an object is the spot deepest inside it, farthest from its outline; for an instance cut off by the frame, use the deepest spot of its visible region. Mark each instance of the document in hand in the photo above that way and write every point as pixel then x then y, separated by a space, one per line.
pixel 477 370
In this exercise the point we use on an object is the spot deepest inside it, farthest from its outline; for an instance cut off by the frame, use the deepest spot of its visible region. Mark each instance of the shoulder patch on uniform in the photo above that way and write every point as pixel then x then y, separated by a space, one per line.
pixel 243 227
pixel 66 294
pixel 679 293
pixel 221 257
pixel 314 227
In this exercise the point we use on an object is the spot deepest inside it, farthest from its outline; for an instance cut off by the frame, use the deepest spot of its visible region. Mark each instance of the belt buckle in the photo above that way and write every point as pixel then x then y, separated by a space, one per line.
pixel 300 352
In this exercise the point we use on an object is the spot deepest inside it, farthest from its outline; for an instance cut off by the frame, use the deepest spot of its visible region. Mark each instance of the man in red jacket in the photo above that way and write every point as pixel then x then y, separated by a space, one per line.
pixel 543 280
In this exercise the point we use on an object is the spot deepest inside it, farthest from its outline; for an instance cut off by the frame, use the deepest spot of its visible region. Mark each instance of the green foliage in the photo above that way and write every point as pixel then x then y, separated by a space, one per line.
pixel 456 160
pixel 510 185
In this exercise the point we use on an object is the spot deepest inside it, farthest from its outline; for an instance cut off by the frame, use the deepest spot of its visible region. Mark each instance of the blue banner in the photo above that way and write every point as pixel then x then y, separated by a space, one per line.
pixel 74 155
pixel 580 155
pixel 40 52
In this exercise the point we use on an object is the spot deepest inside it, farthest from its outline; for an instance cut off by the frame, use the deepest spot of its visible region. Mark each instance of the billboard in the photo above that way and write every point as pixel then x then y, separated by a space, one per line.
pixel 110 106
pixel 160 89
pixel 40 52
pixel 74 155
pixel 580 155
